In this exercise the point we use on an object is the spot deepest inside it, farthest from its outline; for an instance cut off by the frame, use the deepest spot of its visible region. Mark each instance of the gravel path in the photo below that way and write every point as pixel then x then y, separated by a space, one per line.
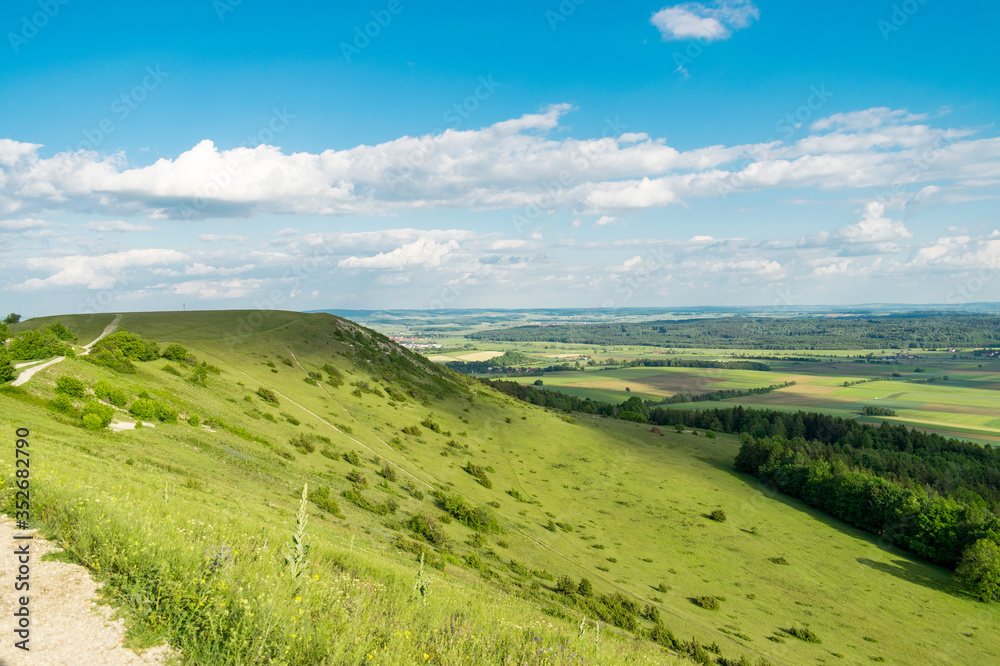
pixel 67 626
pixel 30 372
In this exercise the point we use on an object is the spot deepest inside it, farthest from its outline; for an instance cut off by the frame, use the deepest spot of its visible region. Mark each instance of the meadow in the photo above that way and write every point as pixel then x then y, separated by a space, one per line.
pixel 197 514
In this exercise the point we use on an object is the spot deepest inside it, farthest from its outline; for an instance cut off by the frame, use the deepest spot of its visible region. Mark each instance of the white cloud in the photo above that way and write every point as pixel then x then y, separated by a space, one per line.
pixel 116 225
pixel 215 238
pixel 422 253
pixel 524 165
pixel 198 268
pixel 23 225
pixel 96 272
pixel 874 226
pixel 605 220
pixel 694 20
pixel 224 289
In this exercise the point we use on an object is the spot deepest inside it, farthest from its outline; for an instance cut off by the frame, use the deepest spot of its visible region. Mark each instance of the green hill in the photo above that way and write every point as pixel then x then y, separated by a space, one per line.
pixel 508 506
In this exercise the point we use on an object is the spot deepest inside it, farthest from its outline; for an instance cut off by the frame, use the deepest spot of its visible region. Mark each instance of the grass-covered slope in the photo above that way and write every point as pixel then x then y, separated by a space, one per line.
pixel 189 523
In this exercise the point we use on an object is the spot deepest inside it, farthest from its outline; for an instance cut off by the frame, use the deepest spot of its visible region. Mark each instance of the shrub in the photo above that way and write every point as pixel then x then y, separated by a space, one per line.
pixel 97 416
pixel 707 602
pixel 388 473
pixel 172 370
pixel 480 519
pixel 479 473
pixel 518 496
pixel 70 386
pixel 718 515
pixel 357 478
pixel 268 396
pixel 585 588
pixel 355 497
pixel 165 412
pixel 429 528
pixel 710 434
pixel 62 403
pixel 303 443
pixel 805 634
pixel 431 425
pixel 174 352
pixel 35 344
pixel 291 419
pixel 111 358
pixel 143 409
pixel 194 420
pixel 411 430
pixel 320 496
pixel 778 560
pixel 116 396
pixel 132 346
pixel 353 458
pixel 565 585
pixel 61 332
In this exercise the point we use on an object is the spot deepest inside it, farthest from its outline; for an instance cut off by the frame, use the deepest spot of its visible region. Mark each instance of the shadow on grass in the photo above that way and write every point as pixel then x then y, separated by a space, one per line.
pixel 914 572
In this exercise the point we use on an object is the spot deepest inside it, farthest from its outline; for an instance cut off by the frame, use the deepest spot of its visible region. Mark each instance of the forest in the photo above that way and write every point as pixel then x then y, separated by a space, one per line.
pixel 886 332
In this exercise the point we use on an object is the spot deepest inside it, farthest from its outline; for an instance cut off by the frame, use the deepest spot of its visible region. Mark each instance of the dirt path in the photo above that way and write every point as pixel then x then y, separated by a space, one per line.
pixel 30 372
pixel 66 625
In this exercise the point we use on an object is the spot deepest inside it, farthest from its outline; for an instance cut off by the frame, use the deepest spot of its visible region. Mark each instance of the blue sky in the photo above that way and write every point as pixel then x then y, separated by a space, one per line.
pixel 247 154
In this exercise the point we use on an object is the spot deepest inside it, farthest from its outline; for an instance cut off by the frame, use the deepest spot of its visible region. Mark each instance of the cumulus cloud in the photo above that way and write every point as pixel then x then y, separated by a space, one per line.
pixel 694 20
pixel 116 225
pixel 874 226
pixel 224 289
pixel 422 253
pixel 95 272
pixel 605 220
pixel 23 225
pixel 527 165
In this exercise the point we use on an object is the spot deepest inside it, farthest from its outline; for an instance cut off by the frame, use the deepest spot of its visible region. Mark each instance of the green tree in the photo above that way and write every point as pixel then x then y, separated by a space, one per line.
pixel 12 318
pixel 7 371
pixel 979 570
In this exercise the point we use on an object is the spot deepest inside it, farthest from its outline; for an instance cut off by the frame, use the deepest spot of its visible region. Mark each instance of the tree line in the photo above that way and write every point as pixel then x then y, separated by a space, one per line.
pixel 906 331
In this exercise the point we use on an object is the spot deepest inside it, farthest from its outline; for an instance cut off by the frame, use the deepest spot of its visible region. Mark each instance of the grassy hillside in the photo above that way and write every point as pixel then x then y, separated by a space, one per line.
pixel 180 518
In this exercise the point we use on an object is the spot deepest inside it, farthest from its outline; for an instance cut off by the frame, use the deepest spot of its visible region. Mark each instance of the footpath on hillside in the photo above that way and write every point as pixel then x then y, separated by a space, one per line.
pixel 30 372
pixel 67 625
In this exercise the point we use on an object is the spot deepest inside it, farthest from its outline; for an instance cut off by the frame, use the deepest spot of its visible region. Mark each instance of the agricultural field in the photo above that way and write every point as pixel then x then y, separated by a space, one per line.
pixel 966 405
pixel 577 497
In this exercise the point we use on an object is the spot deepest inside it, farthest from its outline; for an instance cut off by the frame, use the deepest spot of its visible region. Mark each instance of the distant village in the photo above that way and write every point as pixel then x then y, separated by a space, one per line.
pixel 411 342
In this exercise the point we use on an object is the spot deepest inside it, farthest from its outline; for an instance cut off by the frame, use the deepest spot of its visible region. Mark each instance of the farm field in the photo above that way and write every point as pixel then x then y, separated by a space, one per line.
pixel 967 404
pixel 593 498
